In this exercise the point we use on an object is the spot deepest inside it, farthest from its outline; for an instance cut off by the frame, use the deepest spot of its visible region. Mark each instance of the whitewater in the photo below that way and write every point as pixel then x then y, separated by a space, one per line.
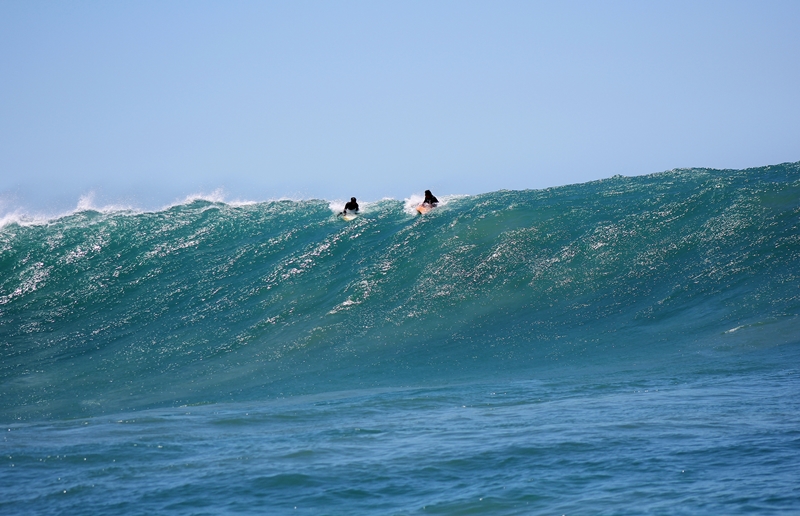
pixel 624 346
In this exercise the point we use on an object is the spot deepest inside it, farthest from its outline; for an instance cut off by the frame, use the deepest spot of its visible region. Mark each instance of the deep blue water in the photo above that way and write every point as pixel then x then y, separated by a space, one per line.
pixel 624 346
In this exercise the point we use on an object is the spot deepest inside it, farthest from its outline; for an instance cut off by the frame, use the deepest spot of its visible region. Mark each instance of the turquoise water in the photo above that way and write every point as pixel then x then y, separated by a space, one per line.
pixel 624 346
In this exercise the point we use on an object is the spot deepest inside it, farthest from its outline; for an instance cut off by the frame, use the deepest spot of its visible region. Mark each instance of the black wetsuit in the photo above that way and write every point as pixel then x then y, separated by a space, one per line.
pixel 430 200
pixel 352 206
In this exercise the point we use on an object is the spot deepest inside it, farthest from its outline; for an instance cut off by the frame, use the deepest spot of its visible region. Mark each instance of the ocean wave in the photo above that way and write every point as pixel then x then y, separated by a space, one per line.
pixel 110 308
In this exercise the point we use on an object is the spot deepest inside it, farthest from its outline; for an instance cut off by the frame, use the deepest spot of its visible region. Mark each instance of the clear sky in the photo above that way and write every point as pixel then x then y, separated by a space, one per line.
pixel 145 102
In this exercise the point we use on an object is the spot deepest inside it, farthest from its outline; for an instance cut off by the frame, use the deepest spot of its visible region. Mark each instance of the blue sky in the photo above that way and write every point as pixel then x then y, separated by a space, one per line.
pixel 146 102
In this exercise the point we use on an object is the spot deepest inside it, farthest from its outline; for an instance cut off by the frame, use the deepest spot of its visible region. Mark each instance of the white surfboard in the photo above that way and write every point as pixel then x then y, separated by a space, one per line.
pixel 349 216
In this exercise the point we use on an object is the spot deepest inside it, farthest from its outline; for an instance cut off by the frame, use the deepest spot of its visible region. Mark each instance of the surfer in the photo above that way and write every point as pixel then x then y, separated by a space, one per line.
pixel 352 206
pixel 430 200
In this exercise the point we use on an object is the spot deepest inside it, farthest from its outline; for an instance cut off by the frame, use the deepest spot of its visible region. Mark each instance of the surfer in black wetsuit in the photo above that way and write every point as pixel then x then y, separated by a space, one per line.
pixel 352 206
pixel 430 200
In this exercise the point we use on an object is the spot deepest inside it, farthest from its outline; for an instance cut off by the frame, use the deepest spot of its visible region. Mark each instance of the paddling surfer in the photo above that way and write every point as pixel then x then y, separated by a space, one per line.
pixel 430 200
pixel 351 206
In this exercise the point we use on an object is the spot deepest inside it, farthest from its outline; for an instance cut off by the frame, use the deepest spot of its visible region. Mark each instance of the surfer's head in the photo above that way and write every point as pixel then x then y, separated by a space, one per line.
pixel 353 199
pixel 428 192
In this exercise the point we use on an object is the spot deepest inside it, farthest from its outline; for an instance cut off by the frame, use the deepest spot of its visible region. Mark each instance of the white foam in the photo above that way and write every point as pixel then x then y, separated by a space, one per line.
pixel 410 204
pixel 86 203
pixel 337 206
pixel 21 218
pixel 15 217
pixel 10 215
pixel 217 195
pixel 734 329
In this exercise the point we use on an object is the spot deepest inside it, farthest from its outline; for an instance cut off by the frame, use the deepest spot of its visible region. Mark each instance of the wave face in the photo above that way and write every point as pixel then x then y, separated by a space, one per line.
pixel 207 302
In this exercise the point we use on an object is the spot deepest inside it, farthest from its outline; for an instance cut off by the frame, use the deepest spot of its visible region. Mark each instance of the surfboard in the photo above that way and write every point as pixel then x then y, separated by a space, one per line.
pixel 424 208
pixel 349 216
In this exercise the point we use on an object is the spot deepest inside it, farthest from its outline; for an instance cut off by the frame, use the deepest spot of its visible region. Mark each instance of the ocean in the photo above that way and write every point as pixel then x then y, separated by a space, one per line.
pixel 624 346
